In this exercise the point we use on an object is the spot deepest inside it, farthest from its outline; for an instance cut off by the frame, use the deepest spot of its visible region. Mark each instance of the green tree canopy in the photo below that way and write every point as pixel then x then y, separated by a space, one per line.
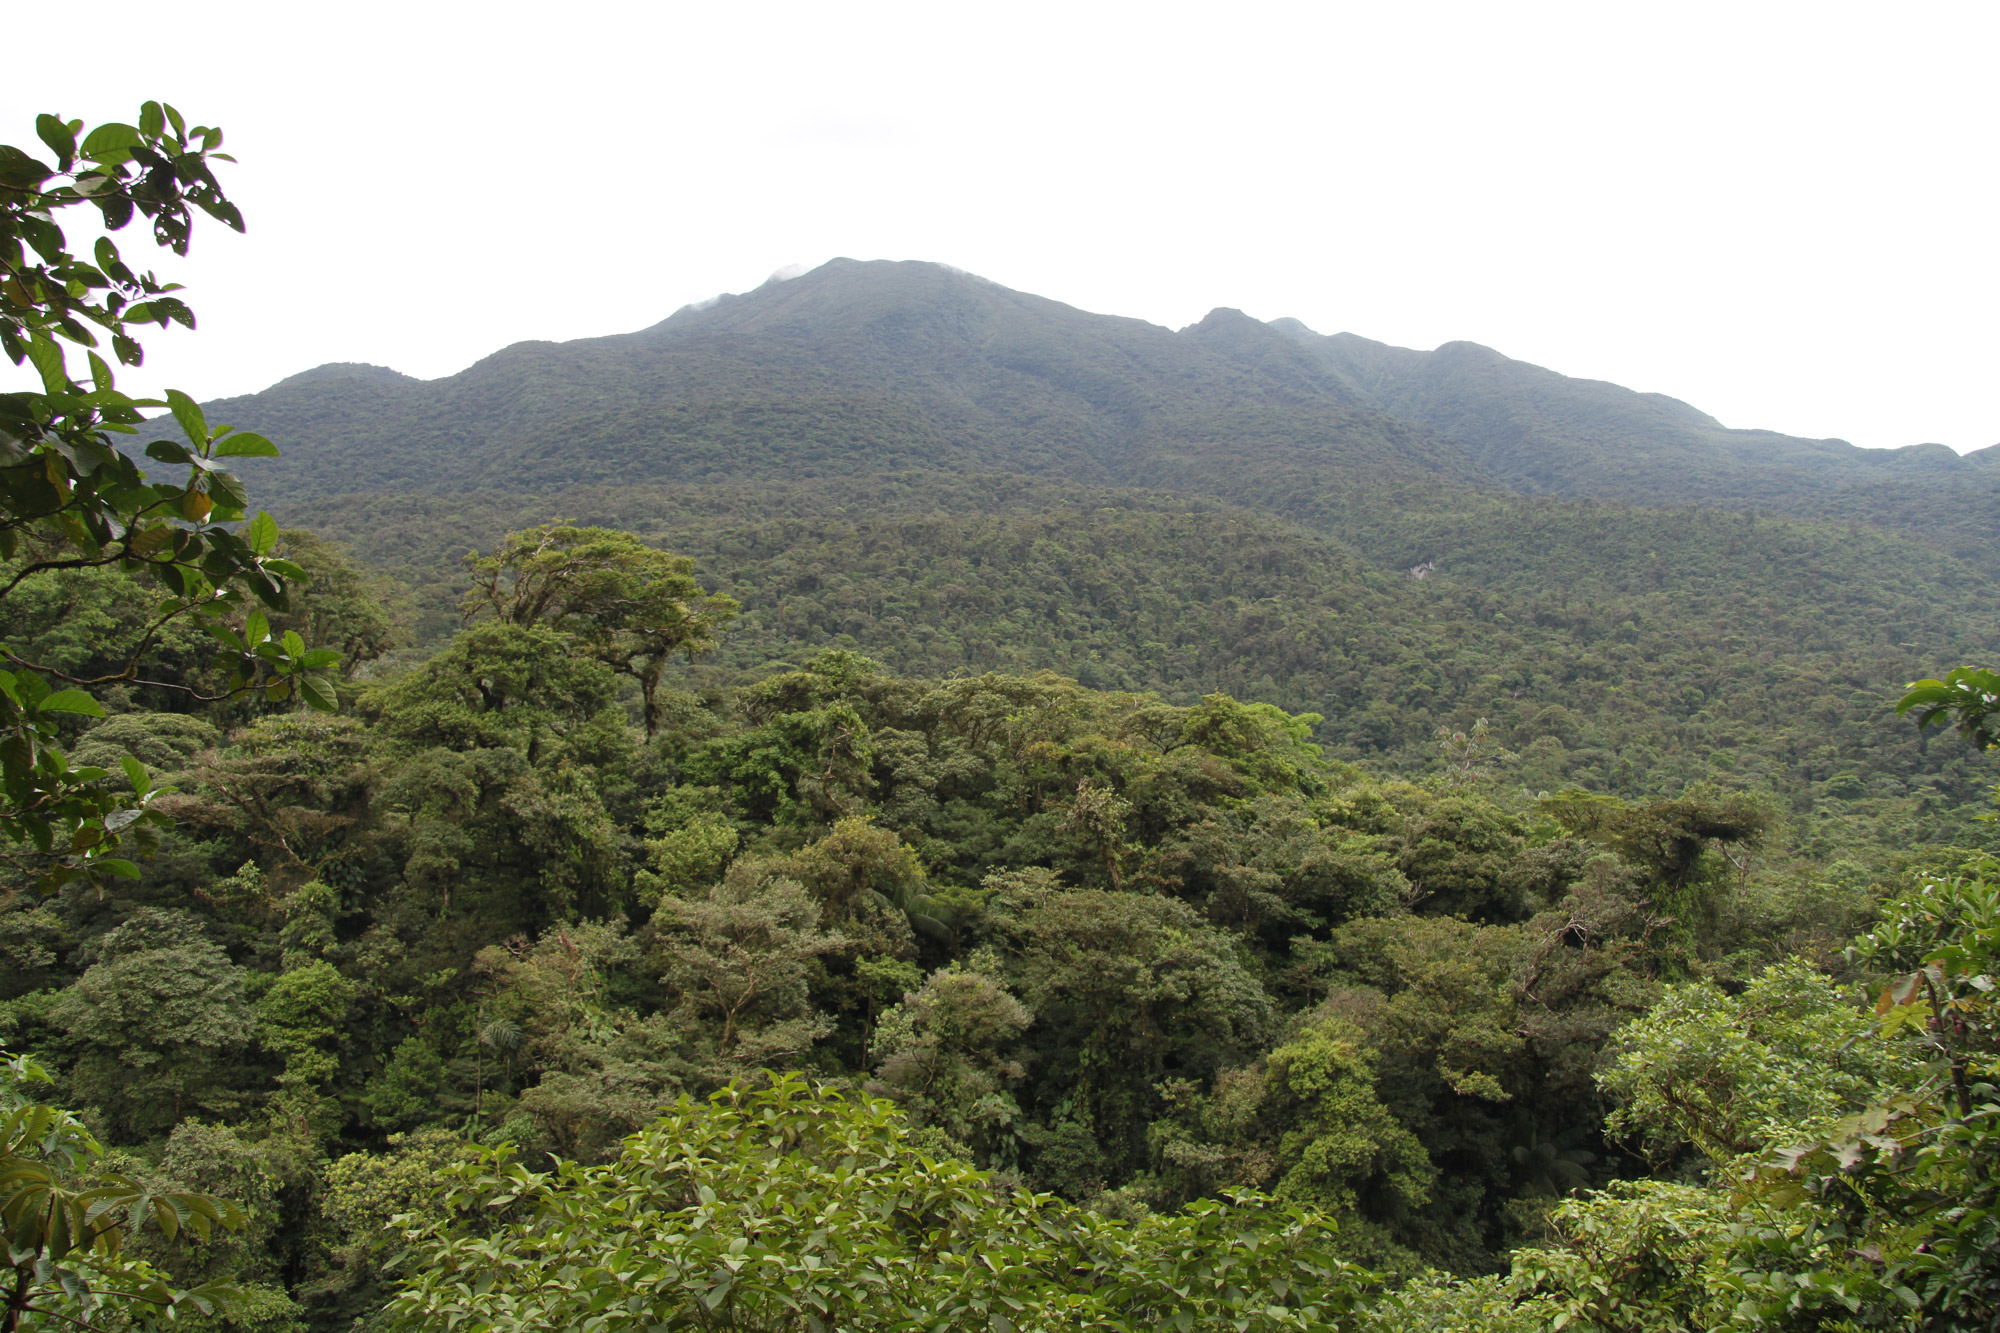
pixel 631 605
pixel 792 1207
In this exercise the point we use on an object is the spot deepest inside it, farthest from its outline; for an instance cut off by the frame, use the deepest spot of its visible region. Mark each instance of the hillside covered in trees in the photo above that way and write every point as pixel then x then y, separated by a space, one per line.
pixel 910 462
pixel 1130 952
pixel 1631 650
pixel 889 802
pixel 862 368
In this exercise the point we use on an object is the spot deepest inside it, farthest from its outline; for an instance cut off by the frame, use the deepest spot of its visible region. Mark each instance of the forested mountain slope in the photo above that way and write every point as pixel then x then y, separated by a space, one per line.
pixel 860 366
pixel 852 368
pixel 1541 432
pixel 1625 650
pixel 906 460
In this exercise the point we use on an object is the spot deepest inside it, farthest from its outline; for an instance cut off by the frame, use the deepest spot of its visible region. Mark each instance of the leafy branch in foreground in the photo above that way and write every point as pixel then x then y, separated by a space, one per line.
pixel 70 498
pixel 65 1225
pixel 1967 699
pixel 791 1206
pixel 1911 1184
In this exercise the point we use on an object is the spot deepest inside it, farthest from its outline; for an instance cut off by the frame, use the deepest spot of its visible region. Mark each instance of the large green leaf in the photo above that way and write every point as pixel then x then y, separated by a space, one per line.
pixel 109 138
pixel 246 444
pixel 318 694
pixel 20 170
pixel 59 136
pixel 189 414
pixel 72 701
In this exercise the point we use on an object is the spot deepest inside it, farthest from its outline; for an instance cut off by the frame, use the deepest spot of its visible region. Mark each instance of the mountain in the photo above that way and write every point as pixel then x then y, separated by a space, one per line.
pixel 1540 432
pixel 852 368
pixel 908 461
pixel 863 368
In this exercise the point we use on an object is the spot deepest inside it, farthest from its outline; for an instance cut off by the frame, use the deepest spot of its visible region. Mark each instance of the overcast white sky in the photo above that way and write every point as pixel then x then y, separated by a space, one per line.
pixel 1783 213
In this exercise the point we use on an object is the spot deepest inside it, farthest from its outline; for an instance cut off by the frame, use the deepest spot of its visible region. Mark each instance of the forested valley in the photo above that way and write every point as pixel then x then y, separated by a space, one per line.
pixel 888 803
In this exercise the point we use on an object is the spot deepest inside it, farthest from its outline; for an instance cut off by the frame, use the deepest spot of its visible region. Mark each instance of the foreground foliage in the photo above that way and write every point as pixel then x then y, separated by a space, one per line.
pixel 1855 1190
pixel 66 1221
pixel 792 1207
pixel 71 500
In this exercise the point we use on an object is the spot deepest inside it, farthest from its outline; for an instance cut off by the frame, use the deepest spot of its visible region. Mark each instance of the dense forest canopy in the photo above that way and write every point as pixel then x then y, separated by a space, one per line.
pixel 888 802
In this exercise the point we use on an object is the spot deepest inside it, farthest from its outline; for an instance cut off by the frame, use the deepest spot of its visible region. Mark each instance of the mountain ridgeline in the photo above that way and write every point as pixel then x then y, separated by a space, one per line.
pixel 912 462
pixel 864 367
